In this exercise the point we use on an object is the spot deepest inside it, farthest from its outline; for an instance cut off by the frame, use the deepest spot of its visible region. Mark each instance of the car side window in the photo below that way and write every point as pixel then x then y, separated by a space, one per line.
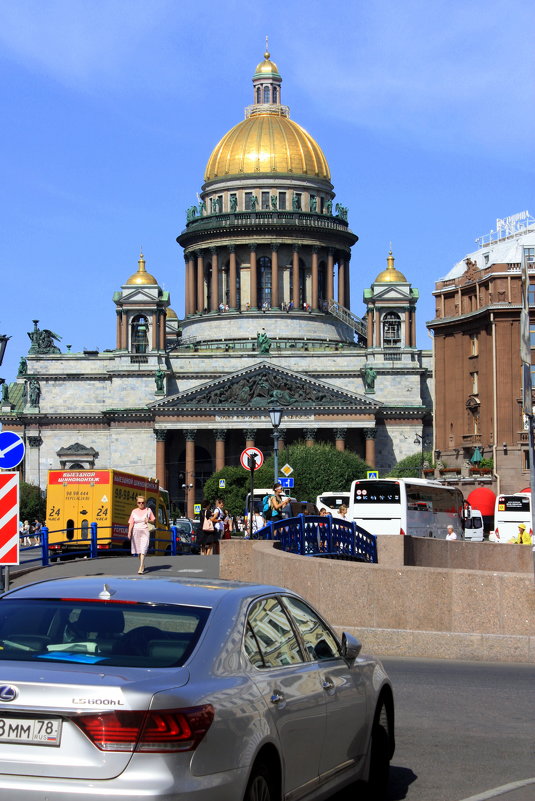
pixel 319 640
pixel 274 636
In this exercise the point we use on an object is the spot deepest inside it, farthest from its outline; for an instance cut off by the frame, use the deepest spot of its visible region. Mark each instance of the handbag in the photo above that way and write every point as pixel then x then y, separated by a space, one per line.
pixel 207 525
pixel 151 525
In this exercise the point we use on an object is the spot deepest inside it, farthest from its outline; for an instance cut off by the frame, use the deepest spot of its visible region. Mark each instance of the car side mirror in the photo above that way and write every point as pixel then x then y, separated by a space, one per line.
pixel 351 647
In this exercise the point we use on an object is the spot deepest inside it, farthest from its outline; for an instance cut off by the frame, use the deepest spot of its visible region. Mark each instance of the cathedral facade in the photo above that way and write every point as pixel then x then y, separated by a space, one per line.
pixel 267 324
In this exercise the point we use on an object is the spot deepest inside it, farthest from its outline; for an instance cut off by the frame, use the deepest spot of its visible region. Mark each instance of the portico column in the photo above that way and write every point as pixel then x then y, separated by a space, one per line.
pixel 232 277
pixel 330 275
pixel 161 435
pixel 200 282
pixel 214 299
pixel 250 434
pixel 347 282
pixel 190 284
pixel 314 300
pixel 377 329
pixel 274 276
pixel 295 276
pixel 253 301
pixel 189 476
pixel 155 327
pixel 341 280
pixel 220 436
pixel 340 438
pixel 163 321
pixel 369 327
pixel 413 328
pixel 119 330
pixel 310 436
pixel 370 434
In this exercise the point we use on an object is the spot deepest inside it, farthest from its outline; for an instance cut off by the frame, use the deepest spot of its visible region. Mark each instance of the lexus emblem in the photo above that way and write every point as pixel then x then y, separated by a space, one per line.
pixel 8 692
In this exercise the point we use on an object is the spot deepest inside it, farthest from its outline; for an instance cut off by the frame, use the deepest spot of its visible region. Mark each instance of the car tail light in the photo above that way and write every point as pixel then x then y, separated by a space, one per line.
pixel 158 730
pixel 497 533
pixel 402 533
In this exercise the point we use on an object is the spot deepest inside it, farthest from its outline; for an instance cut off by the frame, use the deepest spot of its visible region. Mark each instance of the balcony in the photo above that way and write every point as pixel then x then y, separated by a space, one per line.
pixel 471 439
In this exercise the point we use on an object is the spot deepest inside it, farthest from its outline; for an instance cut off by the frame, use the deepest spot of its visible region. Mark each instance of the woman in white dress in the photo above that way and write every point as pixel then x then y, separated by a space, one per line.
pixel 138 530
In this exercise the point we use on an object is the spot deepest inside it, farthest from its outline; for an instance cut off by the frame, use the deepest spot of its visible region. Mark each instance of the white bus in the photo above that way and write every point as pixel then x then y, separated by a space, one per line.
pixel 332 501
pixel 509 512
pixel 406 506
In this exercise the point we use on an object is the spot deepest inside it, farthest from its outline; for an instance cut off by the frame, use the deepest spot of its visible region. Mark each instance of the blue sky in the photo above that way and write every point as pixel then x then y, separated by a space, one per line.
pixel 425 112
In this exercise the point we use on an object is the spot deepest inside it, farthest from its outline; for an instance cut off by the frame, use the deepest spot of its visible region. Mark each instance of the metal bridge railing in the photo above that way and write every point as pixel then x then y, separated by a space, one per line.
pixel 331 537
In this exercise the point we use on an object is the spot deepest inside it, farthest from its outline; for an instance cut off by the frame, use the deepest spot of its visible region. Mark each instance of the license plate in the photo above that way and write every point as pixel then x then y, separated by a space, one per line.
pixel 30 731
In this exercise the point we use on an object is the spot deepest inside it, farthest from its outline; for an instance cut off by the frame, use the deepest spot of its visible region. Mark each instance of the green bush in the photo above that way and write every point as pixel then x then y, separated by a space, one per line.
pixel 32 503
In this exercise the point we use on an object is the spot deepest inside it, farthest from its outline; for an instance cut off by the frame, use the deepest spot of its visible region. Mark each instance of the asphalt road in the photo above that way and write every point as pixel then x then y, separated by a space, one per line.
pixel 465 731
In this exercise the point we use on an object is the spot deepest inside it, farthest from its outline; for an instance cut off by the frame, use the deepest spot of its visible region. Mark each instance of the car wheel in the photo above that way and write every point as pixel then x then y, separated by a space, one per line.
pixel 260 787
pixel 379 757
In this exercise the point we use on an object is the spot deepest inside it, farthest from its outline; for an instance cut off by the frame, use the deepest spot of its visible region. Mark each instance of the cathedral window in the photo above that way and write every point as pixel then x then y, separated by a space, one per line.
pixel 265 201
pixel 248 201
pixel 140 334
pixel 266 94
pixel 258 95
pixel 392 330
pixel 282 201
pixel 264 283
pixel 275 95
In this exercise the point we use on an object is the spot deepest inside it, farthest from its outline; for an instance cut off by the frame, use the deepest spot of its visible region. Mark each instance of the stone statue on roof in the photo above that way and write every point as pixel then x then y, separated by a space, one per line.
pixel 42 340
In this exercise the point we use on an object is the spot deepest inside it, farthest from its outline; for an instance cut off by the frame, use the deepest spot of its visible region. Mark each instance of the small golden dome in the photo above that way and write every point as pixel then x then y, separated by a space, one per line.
pixel 390 275
pixel 141 276
pixel 267 143
pixel 171 314
pixel 267 67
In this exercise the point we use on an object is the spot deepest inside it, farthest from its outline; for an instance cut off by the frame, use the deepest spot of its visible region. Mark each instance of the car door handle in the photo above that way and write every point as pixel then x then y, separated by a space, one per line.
pixel 277 698
pixel 327 684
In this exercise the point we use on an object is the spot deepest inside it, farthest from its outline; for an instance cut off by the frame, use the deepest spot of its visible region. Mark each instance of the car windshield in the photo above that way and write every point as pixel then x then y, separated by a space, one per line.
pixel 99 632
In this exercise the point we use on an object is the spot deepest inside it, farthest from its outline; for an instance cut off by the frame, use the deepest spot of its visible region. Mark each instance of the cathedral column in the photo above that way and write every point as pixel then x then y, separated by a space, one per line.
pixel 314 300
pixel 189 476
pixel 370 434
pixel 250 434
pixel 377 329
pixel 155 327
pixel 347 282
pixel 274 276
pixel 253 300
pixel 119 330
pixel 190 284
pixel 340 438
pixel 412 343
pixel 310 436
pixel 214 288
pixel 161 435
pixel 330 275
pixel 233 283
pixel 220 437
pixel 200 282
pixel 369 327
pixel 295 276
pixel 163 320
pixel 341 280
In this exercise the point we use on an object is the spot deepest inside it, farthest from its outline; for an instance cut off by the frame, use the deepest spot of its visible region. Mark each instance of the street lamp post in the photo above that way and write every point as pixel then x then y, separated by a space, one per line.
pixel 275 417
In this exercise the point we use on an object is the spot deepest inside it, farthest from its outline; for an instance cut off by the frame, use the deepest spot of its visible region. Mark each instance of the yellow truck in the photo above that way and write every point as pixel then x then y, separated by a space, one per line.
pixel 77 498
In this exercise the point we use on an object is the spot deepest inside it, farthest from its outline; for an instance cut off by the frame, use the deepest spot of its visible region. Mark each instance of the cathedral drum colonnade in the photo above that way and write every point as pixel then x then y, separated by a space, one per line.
pixel 267 323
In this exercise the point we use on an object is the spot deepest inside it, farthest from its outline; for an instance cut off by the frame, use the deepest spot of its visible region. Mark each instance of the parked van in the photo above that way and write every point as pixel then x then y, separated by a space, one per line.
pixel 332 501
pixel 473 526
pixel 77 498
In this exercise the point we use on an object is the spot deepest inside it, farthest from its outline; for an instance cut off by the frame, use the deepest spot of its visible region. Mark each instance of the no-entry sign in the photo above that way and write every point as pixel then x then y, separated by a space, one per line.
pixel 9 518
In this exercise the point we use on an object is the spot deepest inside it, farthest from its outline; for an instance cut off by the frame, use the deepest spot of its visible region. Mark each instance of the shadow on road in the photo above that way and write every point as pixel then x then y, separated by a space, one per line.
pixel 400 781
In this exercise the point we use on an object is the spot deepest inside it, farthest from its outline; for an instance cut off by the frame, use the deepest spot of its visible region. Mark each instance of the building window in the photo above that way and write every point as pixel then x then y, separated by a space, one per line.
pixel 392 330
pixel 233 202
pixel 258 94
pixel 275 95
pixel 264 283
pixel 474 345
pixel 265 201
pixel 529 255
pixel 322 205
pixel 266 94
pixel 140 334
pixel 532 334
pixel 297 201
pixel 248 201
pixel 475 382
pixel 486 257
pixel 282 201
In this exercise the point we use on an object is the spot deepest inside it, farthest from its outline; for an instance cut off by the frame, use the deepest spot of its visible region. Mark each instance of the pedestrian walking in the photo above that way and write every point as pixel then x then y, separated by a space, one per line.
pixel 138 530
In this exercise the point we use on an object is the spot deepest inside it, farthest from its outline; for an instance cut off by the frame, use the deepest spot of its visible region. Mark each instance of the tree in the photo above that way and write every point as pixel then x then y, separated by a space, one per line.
pixel 32 503
pixel 316 469
pixel 411 466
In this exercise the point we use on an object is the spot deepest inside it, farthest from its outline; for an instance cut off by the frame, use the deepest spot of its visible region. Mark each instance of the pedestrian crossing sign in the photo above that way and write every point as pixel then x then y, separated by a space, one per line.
pixel 372 474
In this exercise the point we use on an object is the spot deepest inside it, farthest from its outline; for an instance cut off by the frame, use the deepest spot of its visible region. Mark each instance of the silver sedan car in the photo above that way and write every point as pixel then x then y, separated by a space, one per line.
pixel 161 688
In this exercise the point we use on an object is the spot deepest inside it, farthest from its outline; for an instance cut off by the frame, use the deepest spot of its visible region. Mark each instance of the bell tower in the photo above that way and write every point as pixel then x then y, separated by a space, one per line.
pixel 141 314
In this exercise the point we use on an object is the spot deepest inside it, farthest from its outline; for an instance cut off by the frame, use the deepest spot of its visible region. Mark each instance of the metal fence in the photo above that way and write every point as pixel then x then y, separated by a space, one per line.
pixel 331 537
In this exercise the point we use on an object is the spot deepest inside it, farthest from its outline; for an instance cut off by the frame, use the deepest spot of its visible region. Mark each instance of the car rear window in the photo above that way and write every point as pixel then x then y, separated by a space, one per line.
pixel 100 632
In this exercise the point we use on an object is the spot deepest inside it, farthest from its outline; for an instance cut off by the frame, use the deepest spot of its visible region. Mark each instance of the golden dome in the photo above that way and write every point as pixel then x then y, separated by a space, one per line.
pixel 267 143
pixel 266 67
pixel 171 314
pixel 142 276
pixel 390 275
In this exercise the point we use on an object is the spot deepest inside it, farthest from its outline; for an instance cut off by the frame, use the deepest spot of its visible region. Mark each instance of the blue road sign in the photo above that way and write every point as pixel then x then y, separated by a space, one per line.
pixel 287 483
pixel 11 450
pixel 372 474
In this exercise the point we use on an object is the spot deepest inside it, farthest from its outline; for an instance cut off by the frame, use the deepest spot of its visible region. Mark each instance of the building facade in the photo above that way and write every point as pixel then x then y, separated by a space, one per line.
pixel 478 376
pixel 267 323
